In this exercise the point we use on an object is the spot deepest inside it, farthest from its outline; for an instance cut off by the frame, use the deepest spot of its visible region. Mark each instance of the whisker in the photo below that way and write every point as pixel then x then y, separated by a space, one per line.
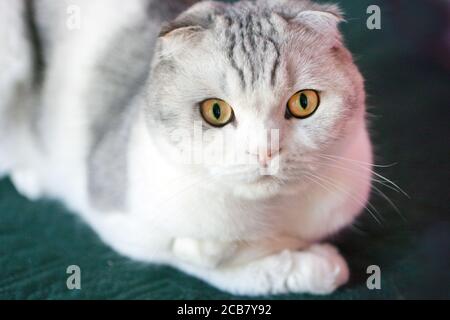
pixel 382 194
pixel 354 171
pixel 358 230
pixel 360 165
pixel 358 161
pixel 341 188
pixel 352 196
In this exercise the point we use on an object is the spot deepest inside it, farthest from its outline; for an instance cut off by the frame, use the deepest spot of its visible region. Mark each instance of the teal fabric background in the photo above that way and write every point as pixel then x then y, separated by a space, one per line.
pixel 409 99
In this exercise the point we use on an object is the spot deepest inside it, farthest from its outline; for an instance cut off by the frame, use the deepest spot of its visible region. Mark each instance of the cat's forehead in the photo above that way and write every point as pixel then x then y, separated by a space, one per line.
pixel 252 43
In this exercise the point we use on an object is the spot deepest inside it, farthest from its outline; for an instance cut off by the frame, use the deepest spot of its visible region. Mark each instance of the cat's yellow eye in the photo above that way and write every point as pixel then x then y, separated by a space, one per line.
pixel 216 112
pixel 303 104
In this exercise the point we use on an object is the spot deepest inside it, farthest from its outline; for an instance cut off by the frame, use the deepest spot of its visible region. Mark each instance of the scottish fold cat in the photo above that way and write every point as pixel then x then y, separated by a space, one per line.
pixel 111 106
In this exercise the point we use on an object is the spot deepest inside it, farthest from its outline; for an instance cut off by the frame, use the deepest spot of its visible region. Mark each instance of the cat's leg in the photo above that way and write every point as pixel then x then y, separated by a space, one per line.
pixel 27 183
pixel 130 236
pixel 16 77
pixel 317 269
pixel 207 254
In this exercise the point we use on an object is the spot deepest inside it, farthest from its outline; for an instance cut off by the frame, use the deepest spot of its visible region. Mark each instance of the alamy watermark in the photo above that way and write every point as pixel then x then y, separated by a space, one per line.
pixel 257 147
pixel 73 282
pixel 374 20
pixel 74 18
pixel 373 282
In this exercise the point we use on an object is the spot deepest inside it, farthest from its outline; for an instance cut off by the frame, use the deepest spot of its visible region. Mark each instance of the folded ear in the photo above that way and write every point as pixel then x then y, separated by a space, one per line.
pixel 324 22
pixel 198 17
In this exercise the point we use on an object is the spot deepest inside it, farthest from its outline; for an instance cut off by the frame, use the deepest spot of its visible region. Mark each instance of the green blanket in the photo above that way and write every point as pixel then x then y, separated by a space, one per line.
pixel 409 101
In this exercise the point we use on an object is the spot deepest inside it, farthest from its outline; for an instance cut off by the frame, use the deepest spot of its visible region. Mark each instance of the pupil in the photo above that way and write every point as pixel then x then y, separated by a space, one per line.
pixel 216 111
pixel 303 101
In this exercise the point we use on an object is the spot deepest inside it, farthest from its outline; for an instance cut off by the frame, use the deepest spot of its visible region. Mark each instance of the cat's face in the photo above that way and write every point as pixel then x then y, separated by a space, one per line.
pixel 271 87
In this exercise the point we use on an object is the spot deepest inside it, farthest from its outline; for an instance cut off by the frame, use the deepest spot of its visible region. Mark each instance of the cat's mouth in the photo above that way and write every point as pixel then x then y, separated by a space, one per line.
pixel 259 180
pixel 250 176
pixel 253 184
pixel 264 186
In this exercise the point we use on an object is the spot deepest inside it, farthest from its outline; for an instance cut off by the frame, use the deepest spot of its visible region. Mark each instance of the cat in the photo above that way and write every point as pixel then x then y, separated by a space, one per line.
pixel 99 115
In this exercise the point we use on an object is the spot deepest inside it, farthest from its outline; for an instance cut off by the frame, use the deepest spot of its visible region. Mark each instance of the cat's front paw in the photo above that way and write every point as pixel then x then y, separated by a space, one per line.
pixel 319 270
pixel 26 183
pixel 199 253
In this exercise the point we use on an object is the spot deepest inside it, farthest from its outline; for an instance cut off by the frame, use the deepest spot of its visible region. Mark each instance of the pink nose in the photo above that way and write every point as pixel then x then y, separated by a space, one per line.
pixel 265 157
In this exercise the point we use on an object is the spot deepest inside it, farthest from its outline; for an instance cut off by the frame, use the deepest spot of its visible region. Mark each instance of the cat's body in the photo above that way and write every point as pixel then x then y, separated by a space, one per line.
pixel 94 132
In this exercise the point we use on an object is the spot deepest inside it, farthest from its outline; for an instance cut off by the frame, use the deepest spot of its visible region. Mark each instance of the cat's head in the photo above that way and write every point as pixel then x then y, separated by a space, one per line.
pixel 270 81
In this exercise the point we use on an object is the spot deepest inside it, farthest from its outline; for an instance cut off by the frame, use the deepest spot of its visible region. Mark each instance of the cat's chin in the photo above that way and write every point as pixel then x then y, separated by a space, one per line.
pixel 264 188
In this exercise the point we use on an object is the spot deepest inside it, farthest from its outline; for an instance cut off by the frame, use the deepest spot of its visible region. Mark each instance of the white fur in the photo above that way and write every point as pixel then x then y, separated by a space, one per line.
pixel 15 79
pixel 244 243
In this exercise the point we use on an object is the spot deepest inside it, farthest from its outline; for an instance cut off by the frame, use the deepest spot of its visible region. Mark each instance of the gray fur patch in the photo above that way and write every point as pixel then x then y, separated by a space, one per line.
pixel 119 79
pixel 253 52
pixel 107 164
